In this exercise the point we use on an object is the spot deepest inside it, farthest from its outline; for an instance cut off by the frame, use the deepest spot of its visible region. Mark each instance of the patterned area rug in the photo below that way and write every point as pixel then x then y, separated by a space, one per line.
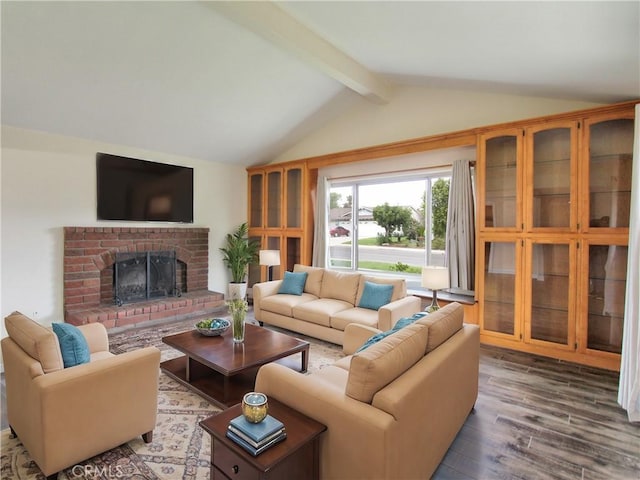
pixel 180 448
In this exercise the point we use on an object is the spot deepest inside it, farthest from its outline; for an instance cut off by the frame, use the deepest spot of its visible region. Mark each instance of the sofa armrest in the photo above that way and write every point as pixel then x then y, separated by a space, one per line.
pixel 263 290
pixel 390 313
pixel 355 335
pixel 96 335
pixel 349 422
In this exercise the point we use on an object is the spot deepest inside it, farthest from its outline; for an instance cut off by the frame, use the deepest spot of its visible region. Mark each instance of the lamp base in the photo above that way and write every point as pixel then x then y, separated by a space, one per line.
pixel 434 303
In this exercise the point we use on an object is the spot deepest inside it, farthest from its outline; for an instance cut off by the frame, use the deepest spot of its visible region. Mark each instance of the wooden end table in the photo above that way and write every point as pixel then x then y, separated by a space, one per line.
pixel 298 456
pixel 223 371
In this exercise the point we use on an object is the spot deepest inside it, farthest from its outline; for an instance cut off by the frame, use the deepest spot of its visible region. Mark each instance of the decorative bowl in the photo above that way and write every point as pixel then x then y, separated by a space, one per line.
pixel 255 407
pixel 212 327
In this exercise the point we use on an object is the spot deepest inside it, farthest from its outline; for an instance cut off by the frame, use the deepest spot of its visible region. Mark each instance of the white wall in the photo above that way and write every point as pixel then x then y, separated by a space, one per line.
pixel 49 181
pixel 416 112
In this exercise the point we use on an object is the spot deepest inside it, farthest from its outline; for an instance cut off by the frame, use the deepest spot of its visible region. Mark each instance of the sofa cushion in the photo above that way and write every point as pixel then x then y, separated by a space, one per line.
pixel 340 286
pixel 319 311
pixel 37 341
pixel 314 278
pixel 443 323
pixel 375 295
pixel 293 283
pixel 403 322
pixel 399 286
pixel 362 316
pixel 376 367
pixel 73 345
pixel 284 303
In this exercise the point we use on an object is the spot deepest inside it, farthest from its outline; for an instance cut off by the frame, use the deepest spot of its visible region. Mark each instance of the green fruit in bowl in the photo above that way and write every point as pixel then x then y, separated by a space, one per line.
pixel 205 323
pixel 211 323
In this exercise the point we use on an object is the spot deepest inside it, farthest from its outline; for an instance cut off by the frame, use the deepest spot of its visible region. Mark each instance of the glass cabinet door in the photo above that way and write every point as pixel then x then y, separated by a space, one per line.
pixel 551 184
pixel 498 297
pixel 500 178
pixel 255 270
pixel 293 188
pixel 274 196
pixel 293 252
pixel 255 200
pixel 606 289
pixel 549 294
pixel 610 161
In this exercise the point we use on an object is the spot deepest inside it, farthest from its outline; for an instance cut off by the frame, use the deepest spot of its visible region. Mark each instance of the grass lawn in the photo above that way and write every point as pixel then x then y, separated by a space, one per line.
pixel 380 266
pixel 372 241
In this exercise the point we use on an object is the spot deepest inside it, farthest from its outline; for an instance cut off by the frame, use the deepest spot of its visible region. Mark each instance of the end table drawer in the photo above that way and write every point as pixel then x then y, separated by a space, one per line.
pixel 231 464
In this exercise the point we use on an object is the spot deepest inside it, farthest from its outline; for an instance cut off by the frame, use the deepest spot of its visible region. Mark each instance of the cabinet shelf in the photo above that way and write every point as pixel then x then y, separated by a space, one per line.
pixel 543 161
pixel 505 166
pixel 606 157
pixel 539 193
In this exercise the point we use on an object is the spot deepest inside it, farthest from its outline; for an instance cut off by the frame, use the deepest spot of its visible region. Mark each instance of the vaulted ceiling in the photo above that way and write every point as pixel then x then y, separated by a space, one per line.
pixel 241 81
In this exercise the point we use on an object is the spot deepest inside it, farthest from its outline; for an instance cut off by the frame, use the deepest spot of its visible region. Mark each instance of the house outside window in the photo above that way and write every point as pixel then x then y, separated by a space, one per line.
pixel 391 226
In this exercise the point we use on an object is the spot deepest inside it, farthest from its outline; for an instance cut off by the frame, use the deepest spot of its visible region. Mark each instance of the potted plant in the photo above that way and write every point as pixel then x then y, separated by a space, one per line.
pixel 237 255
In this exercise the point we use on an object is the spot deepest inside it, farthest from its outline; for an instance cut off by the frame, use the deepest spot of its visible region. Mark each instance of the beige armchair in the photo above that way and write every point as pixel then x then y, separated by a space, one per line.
pixel 63 416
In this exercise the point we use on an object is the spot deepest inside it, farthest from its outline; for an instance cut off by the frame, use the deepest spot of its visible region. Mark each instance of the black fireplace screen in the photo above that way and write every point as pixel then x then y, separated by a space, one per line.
pixel 144 275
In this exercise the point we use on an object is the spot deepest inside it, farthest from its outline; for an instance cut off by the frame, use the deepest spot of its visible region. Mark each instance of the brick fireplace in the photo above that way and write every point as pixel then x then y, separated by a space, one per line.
pixel 89 256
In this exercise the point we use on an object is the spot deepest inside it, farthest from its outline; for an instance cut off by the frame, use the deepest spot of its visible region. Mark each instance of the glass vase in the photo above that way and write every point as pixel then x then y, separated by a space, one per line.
pixel 237 325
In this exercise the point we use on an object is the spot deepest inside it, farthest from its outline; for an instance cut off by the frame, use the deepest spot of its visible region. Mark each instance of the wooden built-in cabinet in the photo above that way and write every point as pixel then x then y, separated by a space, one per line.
pixel 278 219
pixel 553 211
pixel 553 200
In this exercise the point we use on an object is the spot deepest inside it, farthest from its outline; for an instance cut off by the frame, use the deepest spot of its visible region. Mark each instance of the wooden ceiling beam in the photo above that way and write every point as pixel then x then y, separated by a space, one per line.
pixel 278 27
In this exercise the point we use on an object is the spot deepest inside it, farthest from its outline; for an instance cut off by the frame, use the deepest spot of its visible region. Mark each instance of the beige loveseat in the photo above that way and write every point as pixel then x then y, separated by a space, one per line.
pixel 329 303
pixel 65 415
pixel 393 409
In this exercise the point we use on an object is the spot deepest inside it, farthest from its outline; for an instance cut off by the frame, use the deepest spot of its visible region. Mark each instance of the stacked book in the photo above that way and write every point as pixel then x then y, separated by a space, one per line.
pixel 255 438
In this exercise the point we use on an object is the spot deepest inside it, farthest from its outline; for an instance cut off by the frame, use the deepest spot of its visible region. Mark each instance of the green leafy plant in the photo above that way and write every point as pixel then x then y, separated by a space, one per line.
pixel 238 308
pixel 401 267
pixel 239 253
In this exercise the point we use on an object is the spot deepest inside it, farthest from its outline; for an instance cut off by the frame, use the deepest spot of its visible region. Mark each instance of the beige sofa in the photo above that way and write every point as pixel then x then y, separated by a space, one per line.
pixel 329 303
pixel 63 416
pixel 393 409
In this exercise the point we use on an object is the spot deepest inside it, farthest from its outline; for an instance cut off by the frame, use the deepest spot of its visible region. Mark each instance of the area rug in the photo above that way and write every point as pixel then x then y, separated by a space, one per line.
pixel 180 448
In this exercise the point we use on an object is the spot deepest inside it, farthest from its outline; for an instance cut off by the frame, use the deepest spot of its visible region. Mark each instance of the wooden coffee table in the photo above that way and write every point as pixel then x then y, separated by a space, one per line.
pixel 223 371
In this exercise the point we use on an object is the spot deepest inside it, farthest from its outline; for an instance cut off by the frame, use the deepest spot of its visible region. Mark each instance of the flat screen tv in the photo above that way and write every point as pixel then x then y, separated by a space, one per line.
pixel 139 190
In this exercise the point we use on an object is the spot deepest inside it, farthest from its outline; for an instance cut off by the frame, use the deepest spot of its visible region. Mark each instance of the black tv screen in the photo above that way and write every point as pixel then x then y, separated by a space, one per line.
pixel 139 190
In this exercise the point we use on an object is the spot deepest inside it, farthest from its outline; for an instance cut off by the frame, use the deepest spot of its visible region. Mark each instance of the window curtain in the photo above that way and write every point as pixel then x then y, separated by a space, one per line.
pixel 460 241
pixel 321 224
pixel 629 387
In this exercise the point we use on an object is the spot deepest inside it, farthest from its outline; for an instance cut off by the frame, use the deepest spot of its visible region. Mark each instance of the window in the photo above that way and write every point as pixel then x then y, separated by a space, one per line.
pixel 391 225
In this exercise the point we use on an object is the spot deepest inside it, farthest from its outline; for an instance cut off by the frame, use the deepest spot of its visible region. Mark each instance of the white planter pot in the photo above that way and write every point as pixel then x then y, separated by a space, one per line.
pixel 237 290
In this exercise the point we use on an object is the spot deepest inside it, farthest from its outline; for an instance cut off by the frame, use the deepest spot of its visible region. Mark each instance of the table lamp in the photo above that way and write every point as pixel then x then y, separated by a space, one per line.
pixel 270 258
pixel 435 278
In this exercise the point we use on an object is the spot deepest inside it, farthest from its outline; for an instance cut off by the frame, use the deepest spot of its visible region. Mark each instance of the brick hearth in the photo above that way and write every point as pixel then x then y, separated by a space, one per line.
pixel 89 254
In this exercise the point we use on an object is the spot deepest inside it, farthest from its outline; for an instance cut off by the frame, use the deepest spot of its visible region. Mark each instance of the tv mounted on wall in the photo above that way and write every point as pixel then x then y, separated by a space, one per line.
pixel 139 190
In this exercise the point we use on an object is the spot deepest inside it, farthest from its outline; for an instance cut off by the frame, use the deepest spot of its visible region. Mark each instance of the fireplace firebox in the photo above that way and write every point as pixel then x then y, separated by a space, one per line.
pixel 141 276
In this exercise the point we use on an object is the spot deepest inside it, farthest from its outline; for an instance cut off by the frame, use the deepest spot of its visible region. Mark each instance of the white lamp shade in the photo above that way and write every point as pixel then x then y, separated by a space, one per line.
pixel 270 257
pixel 435 278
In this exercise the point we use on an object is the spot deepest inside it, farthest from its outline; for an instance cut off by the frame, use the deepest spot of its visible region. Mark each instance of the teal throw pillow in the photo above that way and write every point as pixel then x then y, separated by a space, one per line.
pixel 403 322
pixel 375 295
pixel 73 345
pixel 293 283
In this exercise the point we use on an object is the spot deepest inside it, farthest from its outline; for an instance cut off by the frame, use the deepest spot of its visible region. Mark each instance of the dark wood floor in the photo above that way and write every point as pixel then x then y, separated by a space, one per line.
pixel 538 418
